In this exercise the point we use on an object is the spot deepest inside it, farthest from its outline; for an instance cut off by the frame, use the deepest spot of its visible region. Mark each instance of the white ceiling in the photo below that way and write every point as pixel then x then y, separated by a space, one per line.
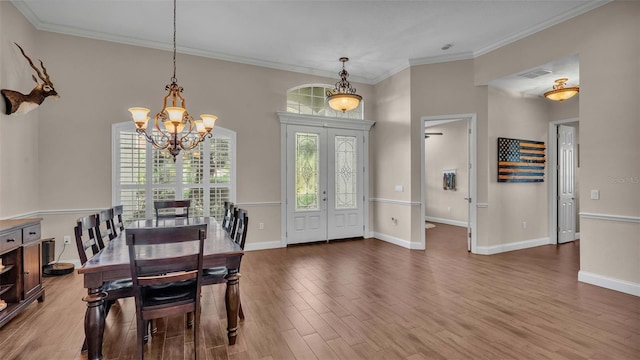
pixel 308 36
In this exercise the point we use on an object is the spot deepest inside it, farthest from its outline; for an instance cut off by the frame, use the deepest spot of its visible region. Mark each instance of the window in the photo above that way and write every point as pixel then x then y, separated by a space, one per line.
pixel 311 99
pixel 141 174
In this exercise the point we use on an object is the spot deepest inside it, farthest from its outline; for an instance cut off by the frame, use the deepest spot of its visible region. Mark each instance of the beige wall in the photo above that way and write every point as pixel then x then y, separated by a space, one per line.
pixel 517 211
pixel 448 151
pixel 19 163
pixel 391 160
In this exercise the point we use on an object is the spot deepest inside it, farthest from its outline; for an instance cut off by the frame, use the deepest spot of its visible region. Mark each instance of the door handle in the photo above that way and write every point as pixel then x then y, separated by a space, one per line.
pixel 468 200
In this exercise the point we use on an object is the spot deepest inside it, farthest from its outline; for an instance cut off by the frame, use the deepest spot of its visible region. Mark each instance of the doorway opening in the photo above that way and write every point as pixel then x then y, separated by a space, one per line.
pixel 443 199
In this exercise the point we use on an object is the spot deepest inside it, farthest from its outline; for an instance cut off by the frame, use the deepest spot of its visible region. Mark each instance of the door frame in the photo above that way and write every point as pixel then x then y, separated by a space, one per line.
pixel 428 121
pixel 286 119
pixel 553 177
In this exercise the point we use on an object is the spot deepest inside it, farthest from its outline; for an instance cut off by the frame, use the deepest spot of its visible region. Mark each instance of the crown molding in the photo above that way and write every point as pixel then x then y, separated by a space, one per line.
pixel 24 8
pixel 586 7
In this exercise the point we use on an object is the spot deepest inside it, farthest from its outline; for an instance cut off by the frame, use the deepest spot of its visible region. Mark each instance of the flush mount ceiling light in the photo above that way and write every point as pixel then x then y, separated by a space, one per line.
pixel 560 92
pixel 343 97
pixel 180 131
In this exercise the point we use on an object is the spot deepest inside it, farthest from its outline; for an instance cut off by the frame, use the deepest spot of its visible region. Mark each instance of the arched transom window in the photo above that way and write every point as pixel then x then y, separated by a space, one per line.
pixel 311 99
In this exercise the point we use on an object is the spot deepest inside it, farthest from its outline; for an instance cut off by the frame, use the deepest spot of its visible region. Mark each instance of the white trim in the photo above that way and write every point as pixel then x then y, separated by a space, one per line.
pixel 21 216
pixel 395 202
pixel 472 139
pixel 323 121
pixel 579 10
pixel 482 205
pixel 463 224
pixel 577 237
pixel 397 241
pixel 624 286
pixel 263 245
pixel 519 245
pixel 249 204
pixel 610 217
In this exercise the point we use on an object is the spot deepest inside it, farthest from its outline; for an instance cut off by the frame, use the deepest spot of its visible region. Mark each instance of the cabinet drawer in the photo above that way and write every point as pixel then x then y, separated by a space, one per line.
pixel 31 233
pixel 10 240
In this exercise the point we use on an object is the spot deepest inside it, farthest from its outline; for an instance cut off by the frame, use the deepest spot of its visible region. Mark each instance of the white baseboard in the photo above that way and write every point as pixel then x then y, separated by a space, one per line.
pixel 446 221
pixel 496 249
pixel 397 241
pixel 263 245
pixel 624 286
pixel 577 236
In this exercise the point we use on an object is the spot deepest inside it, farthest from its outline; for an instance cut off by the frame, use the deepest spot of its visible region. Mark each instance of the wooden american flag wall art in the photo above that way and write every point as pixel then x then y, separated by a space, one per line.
pixel 520 160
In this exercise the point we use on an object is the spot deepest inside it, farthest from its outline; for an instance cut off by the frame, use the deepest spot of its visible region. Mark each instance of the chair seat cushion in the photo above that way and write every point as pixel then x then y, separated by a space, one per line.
pixel 117 284
pixel 168 293
pixel 217 272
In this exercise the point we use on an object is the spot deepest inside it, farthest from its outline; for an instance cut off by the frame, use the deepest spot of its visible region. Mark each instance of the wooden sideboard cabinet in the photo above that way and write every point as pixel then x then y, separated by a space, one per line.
pixel 21 270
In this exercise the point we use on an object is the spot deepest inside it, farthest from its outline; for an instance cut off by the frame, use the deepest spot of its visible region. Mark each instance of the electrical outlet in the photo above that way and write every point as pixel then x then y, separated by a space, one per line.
pixel 261 226
pixel 524 224
pixel 67 239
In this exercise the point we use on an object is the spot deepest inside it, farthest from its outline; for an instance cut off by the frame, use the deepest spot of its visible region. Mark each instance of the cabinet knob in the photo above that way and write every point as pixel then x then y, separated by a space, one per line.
pixel 26 273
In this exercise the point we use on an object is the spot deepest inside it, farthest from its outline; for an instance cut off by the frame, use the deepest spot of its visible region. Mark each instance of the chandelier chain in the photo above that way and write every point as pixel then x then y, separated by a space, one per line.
pixel 174 79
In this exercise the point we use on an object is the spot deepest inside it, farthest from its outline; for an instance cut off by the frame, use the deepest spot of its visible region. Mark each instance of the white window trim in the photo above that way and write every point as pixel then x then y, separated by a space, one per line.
pixel 149 186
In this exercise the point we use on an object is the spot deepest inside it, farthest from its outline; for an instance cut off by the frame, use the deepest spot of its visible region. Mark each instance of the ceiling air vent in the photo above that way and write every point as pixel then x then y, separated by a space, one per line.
pixel 535 73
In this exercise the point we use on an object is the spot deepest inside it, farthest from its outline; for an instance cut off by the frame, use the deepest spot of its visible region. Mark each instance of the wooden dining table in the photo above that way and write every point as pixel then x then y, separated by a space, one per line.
pixel 112 263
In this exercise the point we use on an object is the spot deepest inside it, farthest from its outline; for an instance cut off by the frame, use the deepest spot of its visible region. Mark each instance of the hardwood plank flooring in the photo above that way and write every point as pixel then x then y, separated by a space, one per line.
pixel 366 299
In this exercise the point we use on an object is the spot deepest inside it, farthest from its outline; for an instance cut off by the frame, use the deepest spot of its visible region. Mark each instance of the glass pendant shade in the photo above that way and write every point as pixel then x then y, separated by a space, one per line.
pixel 560 92
pixel 173 128
pixel 200 127
pixel 344 102
pixel 209 121
pixel 140 117
pixel 175 114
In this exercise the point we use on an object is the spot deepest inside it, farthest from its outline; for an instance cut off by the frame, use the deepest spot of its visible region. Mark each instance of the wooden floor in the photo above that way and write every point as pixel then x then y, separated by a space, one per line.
pixel 367 299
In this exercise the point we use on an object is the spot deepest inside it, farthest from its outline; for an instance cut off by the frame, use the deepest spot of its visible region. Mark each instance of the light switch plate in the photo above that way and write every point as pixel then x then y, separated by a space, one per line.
pixel 399 188
pixel 595 194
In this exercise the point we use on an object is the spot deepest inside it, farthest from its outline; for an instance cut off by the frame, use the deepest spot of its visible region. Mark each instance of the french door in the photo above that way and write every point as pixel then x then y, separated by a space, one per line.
pixel 324 167
pixel 325 178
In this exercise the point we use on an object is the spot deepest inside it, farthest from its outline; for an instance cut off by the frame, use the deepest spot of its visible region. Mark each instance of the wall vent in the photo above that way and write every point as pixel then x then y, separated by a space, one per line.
pixel 535 73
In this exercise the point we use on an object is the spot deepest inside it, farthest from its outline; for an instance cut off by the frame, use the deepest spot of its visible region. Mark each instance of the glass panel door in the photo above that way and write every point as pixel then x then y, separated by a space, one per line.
pixel 307 184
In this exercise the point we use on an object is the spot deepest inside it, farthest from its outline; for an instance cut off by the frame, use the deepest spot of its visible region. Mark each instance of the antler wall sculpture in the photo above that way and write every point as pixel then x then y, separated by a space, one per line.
pixel 18 103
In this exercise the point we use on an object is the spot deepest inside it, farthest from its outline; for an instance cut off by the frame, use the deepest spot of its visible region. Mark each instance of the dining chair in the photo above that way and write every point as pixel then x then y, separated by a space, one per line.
pixel 105 231
pixel 226 215
pixel 233 222
pixel 166 266
pixel 117 217
pixel 218 274
pixel 87 235
pixel 162 207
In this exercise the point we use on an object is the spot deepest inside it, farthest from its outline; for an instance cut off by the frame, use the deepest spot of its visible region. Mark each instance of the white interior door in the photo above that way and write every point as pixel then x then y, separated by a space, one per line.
pixel 566 183
pixel 325 181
